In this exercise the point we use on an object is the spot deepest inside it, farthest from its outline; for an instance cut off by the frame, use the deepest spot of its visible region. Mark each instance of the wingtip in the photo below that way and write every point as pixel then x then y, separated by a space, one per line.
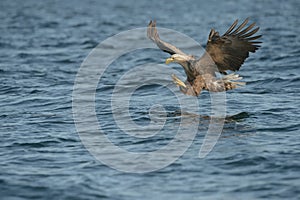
pixel 233 25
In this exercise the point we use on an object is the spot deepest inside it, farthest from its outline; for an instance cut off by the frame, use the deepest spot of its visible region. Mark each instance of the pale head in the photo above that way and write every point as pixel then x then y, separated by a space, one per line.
pixel 178 58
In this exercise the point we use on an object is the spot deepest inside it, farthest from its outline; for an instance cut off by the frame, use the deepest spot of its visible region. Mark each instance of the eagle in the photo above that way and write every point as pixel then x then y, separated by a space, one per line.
pixel 222 53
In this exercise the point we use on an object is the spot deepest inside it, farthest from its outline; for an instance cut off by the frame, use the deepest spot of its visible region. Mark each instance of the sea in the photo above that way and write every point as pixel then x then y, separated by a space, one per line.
pixel 88 109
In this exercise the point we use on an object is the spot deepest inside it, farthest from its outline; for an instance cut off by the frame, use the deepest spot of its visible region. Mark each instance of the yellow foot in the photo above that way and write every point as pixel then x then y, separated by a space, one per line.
pixel 177 81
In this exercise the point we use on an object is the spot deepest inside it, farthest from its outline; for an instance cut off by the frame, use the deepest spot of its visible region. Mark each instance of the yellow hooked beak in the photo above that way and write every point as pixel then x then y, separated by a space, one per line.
pixel 169 60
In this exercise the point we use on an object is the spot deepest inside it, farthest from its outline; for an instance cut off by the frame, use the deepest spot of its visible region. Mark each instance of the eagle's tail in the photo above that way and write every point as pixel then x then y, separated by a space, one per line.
pixel 231 81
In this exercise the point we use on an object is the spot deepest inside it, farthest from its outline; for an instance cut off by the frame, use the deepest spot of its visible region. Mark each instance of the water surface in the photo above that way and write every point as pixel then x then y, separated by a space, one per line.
pixel 43 44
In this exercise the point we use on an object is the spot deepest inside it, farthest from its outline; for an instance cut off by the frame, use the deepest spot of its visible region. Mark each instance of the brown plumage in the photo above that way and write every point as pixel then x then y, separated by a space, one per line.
pixel 226 52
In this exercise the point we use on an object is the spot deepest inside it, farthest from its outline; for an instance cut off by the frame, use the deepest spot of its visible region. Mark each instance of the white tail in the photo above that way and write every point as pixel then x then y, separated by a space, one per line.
pixel 231 81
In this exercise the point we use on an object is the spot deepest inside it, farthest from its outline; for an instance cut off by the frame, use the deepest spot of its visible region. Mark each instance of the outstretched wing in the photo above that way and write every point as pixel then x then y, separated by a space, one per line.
pixel 166 47
pixel 230 50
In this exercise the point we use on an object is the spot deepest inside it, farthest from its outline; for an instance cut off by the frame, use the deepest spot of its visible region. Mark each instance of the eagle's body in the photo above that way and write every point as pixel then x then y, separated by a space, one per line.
pixel 226 52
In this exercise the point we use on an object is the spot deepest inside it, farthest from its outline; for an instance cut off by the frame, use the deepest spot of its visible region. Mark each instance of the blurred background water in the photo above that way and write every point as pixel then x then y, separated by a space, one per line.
pixel 43 44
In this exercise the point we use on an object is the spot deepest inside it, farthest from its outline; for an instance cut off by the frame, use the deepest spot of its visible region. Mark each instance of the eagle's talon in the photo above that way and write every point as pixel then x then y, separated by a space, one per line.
pixel 177 81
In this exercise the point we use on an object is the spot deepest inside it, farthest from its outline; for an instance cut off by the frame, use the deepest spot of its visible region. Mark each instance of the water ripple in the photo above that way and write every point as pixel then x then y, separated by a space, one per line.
pixel 42 46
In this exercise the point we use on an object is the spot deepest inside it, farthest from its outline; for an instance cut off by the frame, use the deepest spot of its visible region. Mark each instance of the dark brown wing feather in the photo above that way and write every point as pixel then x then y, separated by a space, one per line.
pixel 166 47
pixel 230 50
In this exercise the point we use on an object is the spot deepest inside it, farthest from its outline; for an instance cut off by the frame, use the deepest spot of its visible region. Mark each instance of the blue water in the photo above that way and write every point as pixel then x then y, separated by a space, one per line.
pixel 42 45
